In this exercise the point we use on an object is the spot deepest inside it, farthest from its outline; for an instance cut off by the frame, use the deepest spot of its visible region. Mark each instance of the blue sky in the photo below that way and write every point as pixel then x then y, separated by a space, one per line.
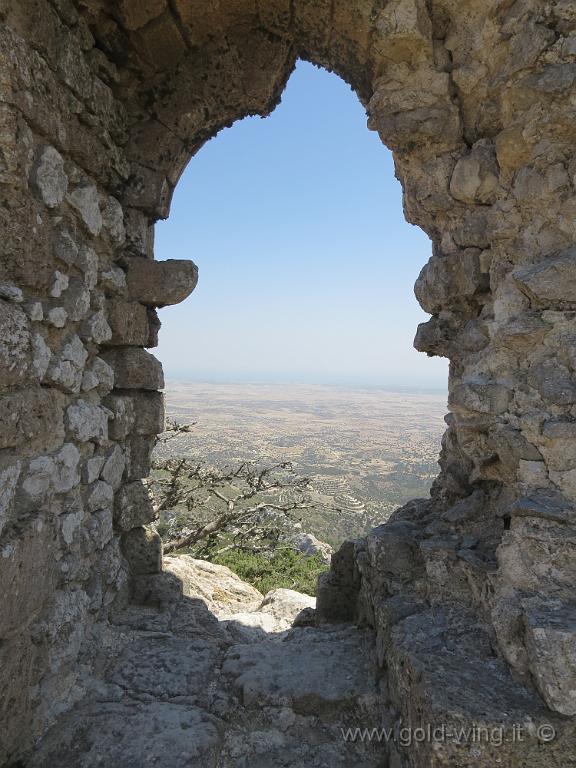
pixel 306 263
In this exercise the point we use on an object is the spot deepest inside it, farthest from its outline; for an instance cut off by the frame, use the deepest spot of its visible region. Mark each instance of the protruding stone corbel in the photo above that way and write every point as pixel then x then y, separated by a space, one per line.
pixel 160 283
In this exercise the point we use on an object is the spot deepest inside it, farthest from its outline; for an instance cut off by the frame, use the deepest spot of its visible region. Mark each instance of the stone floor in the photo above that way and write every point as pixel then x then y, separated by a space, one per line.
pixel 216 679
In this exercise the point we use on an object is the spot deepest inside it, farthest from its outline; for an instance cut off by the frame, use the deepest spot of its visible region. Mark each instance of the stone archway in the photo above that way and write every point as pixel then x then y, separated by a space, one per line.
pixel 102 105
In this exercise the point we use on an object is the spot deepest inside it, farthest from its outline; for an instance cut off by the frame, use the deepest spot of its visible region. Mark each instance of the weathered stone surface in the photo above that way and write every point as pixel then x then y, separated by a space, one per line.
pixel 53 474
pixel 122 419
pixel 149 413
pixel 9 474
pixel 128 321
pixel 84 198
pixel 48 177
pixel 113 468
pixel 142 548
pixel 159 283
pixel 133 506
pixel 331 668
pixel 14 344
pixel 551 644
pixel 550 281
pixel 157 731
pixel 475 177
pixel 221 589
pixel 135 368
pixel 65 371
pixel 86 421
pixel 32 419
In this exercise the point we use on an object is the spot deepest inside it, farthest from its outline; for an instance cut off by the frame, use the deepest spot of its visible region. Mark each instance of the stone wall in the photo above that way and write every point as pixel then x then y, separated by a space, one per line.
pixel 101 106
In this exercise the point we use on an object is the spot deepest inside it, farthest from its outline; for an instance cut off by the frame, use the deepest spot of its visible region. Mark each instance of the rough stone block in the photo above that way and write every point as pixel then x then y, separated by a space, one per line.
pixel 159 283
pixel 142 549
pixel 54 474
pixel 550 281
pixel 139 448
pixel 137 13
pixel 149 413
pixel 122 420
pixel 113 469
pixel 128 321
pixel 475 177
pixel 550 628
pixel 133 506
pixel 14 344
pixel 84 198
pixel 32 419
pixel 134 368
pixel 86 421
pixel 48 178
pixel 9 474
pixel 161 589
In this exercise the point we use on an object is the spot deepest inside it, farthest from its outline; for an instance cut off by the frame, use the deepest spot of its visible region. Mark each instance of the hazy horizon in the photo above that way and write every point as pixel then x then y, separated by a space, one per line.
pixel 303 382
pixel 306 263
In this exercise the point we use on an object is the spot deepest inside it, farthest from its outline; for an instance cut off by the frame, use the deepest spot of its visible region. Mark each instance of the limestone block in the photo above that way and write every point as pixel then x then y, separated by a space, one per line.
pixel 159 283
pixel 9 474
pixel 285 605
pixel 139 448
pixel 31 418
pixel 48 178
pixel 161 42
pixel 550 281
pixel 475 177
pixel 480 397
pixel 134 368
pixel 14 344
pixel 65 371
pixel 149 413
pixel 159 589
pixel 65 247
pixel 10 292
pixel 96 328
pixel 84 198
pixel 446 280
pixel 137 13
pixel 550 628
pixel 59 285
pixel 122 419
pixel 142 549
pixel 133 506
pixel 98 376
pixel 86 421
pixel 559 448
pixel 54 474
pixel 87 262
pixel 221 589
pixel 76 300
pixel 92 469
pixel 57 317
pixel 129 323
pixel 113 219
pixel 533 473
pixel 536 555
pixel 553 381
pixel 100 495
pixel 101 532
pixel 113 280
pixel 113 469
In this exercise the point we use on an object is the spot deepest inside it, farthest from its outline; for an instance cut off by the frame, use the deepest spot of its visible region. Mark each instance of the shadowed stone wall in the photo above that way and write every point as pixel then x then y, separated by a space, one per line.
pixel 101 106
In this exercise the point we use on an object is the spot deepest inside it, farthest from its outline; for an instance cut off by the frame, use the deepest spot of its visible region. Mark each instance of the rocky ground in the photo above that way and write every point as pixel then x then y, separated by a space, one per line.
pixel 223 677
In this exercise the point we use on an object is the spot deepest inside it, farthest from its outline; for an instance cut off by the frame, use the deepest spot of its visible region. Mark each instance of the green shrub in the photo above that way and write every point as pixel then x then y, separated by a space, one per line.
pixel 282 568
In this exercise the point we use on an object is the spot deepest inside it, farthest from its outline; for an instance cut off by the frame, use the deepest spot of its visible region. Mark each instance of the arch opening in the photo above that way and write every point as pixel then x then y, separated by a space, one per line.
pixel 103 104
